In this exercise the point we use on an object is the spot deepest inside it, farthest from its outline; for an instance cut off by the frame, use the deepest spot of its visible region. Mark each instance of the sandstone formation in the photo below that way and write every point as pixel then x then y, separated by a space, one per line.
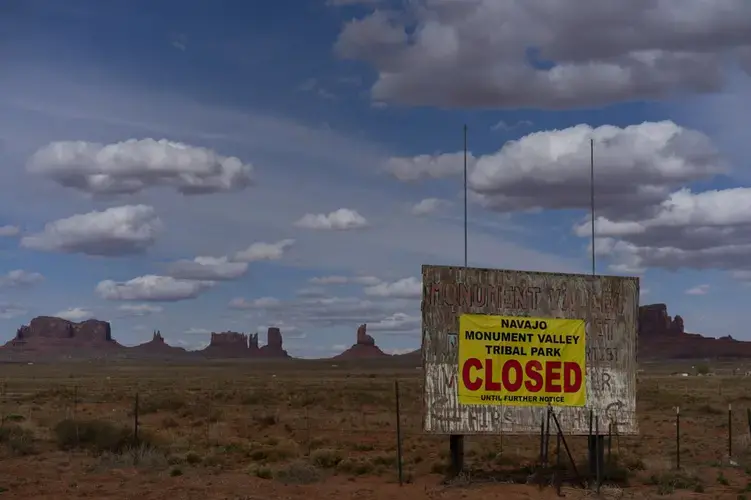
pixel 362 336
pixel 241 345
pixel 156 347
pixel 50 333
pixel 232 345
pixel 655 321
pixel 364 347
pixel 663 337
pixel 47 337
pixel 273 347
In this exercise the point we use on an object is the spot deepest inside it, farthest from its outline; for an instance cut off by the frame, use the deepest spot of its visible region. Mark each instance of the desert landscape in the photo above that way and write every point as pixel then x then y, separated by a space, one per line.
pixel 239 421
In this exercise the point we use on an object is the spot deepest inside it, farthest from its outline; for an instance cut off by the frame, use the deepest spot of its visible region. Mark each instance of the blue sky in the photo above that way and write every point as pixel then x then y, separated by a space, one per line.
pixel 352 111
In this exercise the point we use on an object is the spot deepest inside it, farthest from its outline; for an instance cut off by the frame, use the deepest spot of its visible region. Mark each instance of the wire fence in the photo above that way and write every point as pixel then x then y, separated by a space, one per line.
pixel 682 425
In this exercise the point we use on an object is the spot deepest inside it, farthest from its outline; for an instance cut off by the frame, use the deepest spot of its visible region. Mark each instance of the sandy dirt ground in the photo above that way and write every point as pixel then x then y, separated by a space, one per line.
pixel 293 431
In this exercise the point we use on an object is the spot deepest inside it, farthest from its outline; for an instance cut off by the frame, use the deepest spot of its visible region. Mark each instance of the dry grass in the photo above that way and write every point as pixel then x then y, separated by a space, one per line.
pixel 300 423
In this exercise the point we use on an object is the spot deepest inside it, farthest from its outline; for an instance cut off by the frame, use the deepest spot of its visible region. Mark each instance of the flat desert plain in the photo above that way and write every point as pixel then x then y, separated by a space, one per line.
pixel 321 429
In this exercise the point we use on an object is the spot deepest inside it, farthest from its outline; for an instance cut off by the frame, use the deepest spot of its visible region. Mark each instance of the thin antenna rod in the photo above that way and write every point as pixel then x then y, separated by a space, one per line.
pixel 465 195
pixel 592 197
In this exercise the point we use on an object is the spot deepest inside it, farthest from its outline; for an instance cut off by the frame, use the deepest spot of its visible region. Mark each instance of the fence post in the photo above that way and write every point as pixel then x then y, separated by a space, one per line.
pixel 598 458
pixel 208 417
pixel 75 414
pixel 135 431
pixel 135 421
pixel 677 437
pixel 398 435
pixel 591 446
pixel 547 435
pixel 748 419
pixel 542 441
pixel 730 431
pixel 4 403
pixel 610 444
pixel 307 430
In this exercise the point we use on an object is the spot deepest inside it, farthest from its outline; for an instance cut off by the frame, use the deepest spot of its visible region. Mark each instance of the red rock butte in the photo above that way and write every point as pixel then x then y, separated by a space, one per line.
pixel 661 337
pixel 364 347
pixel 50 337
pixel 664 337
pixel 157 346
pixel 241 345
pixel 50 333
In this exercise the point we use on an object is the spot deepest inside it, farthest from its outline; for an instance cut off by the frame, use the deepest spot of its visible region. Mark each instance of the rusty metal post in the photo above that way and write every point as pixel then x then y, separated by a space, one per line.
pixel 730 431
pixel 399 460
pixel 677 437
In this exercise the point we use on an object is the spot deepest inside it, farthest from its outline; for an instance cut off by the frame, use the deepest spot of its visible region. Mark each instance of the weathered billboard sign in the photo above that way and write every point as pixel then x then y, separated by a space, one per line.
pixel 500 346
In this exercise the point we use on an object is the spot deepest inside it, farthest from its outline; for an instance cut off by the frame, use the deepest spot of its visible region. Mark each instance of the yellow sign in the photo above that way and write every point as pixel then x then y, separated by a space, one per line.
pixel 519 361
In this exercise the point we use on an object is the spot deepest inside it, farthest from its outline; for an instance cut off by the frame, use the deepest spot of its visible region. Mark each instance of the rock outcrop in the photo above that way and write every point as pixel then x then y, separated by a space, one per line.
pixel 362 336
pixel 156 347
pixel 49 333
pixel 655 321
pixel 364 347
pixel 232 345
pixel 663 337
pixel 50 338
pixel 241 345
pixel 273 347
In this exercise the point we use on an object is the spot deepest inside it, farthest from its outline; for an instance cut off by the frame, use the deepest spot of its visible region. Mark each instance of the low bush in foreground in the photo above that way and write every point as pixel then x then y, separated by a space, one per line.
pixel 98 436
pixel 20 441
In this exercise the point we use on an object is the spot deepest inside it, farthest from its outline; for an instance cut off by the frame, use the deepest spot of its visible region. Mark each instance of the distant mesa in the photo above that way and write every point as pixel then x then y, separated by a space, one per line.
pixel 273 347
pixel 50 333
pixel 157 346
pixel 49 337
pixel 655 321
pixel 661 337
pixel 230 345
pixel 365 347
pixel 664 337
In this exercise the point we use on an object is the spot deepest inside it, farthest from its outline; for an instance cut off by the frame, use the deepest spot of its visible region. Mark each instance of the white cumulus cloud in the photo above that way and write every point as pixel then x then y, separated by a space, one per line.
pixel 397 323
pixel 406 288
pixel 131 166
pixel 124 230
pixel 705 230
pixel 74 314
pixel 261 303
pixel 543 54
pixel 9 231
pixel 264 251
pixel 635 166
pixel 140 309
pixel 152 288
pixel 340 220
pixel 19 277
pixel 343 280
pixel 428 206
pixel 10 310
pixel 424 167
pixel 698 290
pixel 207 269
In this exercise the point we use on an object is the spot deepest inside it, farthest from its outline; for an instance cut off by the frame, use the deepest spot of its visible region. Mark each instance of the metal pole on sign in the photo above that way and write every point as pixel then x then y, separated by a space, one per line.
pixel 456 441
pixel 465 195
pixel 592 198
